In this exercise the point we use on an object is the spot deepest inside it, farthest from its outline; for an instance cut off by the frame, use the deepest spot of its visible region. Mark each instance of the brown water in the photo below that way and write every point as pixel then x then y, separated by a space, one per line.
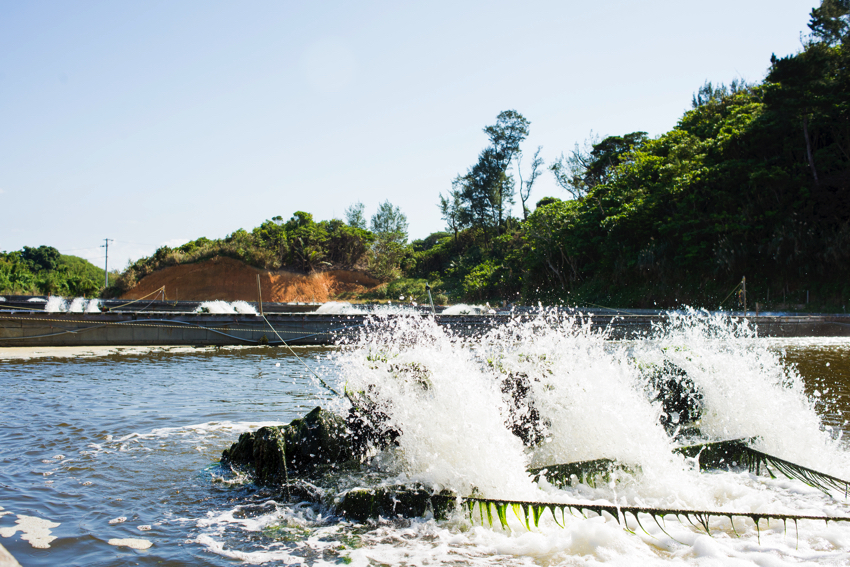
pixel 825 365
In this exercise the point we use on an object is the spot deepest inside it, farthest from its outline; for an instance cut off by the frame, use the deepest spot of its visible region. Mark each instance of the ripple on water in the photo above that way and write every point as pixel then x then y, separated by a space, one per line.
pixel 130 443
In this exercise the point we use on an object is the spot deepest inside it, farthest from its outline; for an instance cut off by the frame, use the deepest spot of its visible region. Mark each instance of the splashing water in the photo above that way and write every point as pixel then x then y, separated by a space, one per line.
pixel 445 395
pixel 338 307
pixel 78 305
pixel 93 306
pixel 463 309
pixel 345 308
pixel 223 307
pixel 56 304
pixel 244 307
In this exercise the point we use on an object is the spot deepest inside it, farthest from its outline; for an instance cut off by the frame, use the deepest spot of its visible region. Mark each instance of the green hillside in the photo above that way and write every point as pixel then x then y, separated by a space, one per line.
pixel 753 181
pixel 44 271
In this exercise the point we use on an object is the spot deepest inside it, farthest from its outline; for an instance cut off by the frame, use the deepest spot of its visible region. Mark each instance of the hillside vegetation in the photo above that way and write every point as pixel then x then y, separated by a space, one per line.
pixel 43 270
pixel 754 180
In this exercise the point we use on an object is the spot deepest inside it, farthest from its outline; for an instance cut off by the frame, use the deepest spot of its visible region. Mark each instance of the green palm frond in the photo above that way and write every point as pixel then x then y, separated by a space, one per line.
pixel 712 455
pixel 532 511
pixel 586 472
pixel 755 460
pixel 723 454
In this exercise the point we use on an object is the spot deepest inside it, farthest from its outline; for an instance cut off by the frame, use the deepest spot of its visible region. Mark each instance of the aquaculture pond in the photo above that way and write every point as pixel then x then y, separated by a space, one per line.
pixel 110 457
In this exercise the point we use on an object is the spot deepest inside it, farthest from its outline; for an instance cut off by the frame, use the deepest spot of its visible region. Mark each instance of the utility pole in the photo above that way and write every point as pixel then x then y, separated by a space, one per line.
pixel 105 245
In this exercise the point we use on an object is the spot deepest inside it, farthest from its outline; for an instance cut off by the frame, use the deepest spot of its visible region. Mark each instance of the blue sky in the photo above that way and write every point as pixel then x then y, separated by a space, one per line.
pixel 158 122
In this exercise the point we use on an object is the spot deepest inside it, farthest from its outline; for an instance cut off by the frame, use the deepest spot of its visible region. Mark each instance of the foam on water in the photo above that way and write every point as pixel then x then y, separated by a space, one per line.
pixel 78 305
pixel 442 393
pixel 345 308
pixel 56 304
pixel 223 307
pixel 244 307
pixel 464 309
pixel 132 543
pixel 36 300
pixel 338 307
pixel 33 529
pixel 93 306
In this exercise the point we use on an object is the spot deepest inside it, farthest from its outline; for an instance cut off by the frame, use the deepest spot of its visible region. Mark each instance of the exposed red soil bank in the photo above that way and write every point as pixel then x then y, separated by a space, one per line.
pixel 231 280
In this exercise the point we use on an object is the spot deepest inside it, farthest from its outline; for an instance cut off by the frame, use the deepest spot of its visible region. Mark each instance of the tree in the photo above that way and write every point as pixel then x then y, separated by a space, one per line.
pixel 41 258
pixel 451 207
pixel 830 23
pixel 390 220
pixel 569 171
pixel 272 233
pixel 346 244
pixel 354 216
pixel 707 93
pixel 525 187
pixel 306 241
pixel 505 136
pixel 388 249
pixel 509 131
pixel 608 154
pixel 487 189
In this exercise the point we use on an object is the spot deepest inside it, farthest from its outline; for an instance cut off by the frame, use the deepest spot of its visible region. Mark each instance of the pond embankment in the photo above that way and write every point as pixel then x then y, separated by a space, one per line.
pixel 20 328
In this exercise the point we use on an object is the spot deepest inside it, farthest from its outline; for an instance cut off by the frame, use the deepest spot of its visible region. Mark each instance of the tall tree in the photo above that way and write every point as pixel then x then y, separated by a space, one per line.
pixel 487 190
pixel 390 227
pixel 451 209
pixel 830 23
pixel 525 186
pixel 569 172
pixel 506 135
pixel 389 220
pixel 354 215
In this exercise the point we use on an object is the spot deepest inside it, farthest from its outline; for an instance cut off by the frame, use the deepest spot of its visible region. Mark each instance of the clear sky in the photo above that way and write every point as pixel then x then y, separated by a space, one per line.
pixel 158 122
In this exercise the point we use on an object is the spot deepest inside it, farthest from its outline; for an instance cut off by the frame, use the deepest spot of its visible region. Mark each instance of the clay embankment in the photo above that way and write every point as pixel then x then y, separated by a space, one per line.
pixel 231 280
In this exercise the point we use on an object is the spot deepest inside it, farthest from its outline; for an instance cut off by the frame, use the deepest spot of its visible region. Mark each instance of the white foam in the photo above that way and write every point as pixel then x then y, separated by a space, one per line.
pixel 56 304
pixel 2 298
pixel 34 530
pixel 441 392
pixel 244 307
pixel 217 307
pixel 36 300
pixel 132 543
pixel 463 309
pixel 78 305
pixel 224 308
pixel 93 306
pixel 338 307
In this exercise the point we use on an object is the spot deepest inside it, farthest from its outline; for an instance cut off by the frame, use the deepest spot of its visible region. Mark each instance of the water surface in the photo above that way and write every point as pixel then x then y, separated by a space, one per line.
pixel 126 445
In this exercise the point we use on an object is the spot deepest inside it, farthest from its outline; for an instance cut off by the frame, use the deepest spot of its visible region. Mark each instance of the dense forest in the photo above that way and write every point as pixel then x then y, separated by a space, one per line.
pixel 754 180
pixel 43 270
